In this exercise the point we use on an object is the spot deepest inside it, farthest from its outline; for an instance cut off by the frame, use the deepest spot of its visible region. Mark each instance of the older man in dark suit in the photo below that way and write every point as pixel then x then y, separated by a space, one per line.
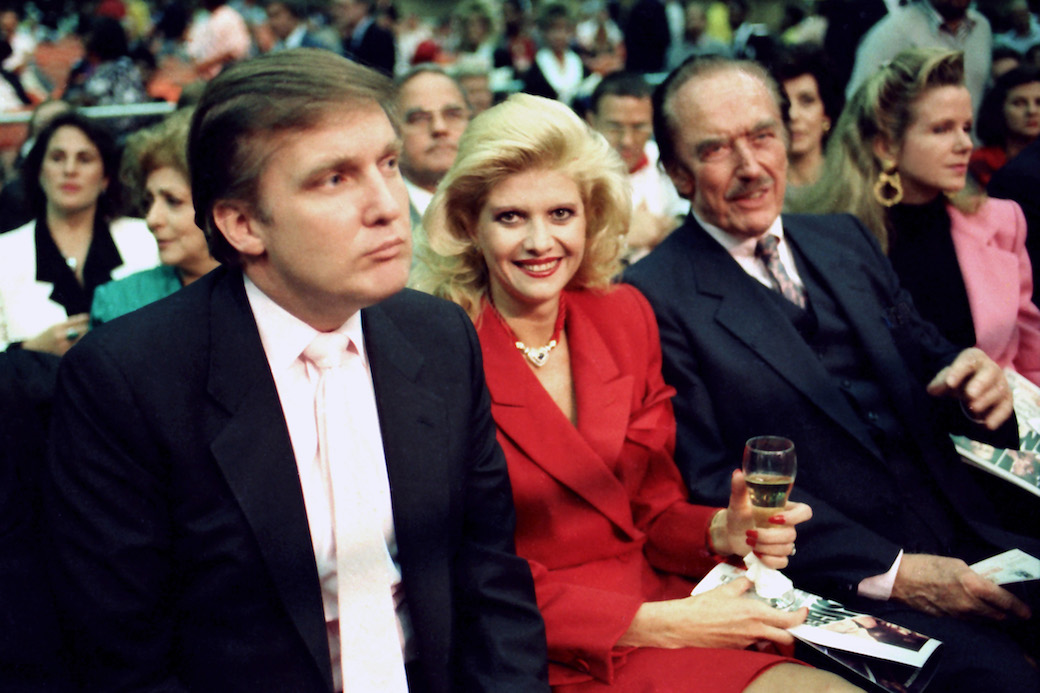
pixel 797 326
pixel 235 511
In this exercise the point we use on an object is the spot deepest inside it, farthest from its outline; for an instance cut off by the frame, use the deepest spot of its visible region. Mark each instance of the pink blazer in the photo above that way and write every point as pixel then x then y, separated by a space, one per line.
pixel 990 246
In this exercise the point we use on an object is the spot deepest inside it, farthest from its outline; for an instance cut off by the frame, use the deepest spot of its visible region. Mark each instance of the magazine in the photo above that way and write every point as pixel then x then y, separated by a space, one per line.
pixel 1014 570
pixel 892 657
pixel 1021 467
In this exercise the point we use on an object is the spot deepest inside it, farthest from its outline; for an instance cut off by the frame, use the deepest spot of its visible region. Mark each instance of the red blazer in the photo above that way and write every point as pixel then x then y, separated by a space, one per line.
pixel 602 513
pixel 998 276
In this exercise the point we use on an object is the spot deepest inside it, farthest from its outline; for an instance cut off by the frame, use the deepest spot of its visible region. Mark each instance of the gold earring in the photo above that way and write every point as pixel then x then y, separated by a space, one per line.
pixel 888 190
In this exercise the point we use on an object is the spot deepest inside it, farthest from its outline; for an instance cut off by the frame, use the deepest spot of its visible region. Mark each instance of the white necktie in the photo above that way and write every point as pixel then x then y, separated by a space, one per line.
pixel 369 641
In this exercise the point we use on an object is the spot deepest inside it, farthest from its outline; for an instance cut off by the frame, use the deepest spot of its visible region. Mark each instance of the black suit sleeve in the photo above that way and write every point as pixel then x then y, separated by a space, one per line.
pixel 111 528
pixel 501 633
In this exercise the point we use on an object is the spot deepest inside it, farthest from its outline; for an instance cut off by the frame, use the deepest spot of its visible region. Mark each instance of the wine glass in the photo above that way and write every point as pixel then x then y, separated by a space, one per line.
pixel 769 469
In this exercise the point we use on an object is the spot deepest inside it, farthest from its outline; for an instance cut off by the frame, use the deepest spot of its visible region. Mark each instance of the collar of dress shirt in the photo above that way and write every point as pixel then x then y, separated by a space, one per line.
pixel 938 23
pixel 419 197
pixel 735 245
pixel 284 336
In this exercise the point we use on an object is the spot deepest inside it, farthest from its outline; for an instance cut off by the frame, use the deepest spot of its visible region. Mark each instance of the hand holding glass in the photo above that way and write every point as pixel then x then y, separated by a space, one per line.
pixel 769 469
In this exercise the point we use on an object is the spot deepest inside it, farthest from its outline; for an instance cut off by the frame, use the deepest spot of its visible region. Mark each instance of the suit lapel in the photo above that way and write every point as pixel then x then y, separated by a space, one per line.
pixel 412 426
pixel 764 329
pixel 256 457
pixel 528 417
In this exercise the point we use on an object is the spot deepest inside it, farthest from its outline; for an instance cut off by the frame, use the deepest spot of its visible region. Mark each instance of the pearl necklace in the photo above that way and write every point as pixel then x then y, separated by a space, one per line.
pixel 538 355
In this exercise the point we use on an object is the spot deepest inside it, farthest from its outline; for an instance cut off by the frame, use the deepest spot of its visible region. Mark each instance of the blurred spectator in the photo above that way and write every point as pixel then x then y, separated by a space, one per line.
pixel 51 266
pixel 801 25
pixel 218 39
pixel 695 40
pixel 1025 30
pixel 113 9
pixel 15 209
pixel 945 24
pixel 647 36
pixel 106 75
pixel 599 40
pixel 557 72
pixel 1004 59
pixel 475 83
pixel 1009 121
pixel 155 166
pixel 363 40
pixel 517 42
pixel 815 102
pixel 21 41
pixel 847 21
pixel 433 112
pixel 751 40
pixel 621 110
pixel 475 32
pixel 411 32
pixel 171 26
pixel 287 20
pixel 12 94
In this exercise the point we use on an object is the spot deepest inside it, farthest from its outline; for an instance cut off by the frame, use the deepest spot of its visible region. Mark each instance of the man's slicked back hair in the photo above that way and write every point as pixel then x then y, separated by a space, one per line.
pixel 244 111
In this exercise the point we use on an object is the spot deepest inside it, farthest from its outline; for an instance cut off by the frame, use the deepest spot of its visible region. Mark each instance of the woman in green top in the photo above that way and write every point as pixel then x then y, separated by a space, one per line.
pixel 155 166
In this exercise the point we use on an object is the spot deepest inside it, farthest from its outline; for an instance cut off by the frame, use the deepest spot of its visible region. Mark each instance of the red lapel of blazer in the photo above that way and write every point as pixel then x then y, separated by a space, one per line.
pixel 527 416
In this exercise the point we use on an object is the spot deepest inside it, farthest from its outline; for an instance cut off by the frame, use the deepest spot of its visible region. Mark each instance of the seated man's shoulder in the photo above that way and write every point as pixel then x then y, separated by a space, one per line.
pixel 416 312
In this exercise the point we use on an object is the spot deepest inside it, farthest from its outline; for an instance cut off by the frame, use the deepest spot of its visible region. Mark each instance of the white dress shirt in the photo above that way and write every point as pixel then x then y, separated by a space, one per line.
pixel 284 338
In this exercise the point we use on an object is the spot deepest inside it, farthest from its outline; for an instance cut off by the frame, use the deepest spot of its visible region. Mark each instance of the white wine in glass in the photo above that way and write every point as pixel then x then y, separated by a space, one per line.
pixel 769 469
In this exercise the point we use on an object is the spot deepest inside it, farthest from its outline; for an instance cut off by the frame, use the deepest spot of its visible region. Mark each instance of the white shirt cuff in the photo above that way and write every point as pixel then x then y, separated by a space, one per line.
pixel 880 586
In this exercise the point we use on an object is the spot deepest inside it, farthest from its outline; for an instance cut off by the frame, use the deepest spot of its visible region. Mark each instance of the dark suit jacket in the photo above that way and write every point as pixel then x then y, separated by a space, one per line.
pixel 181 540
pixel 1019 180
pixel 29 642
pixel 376 48
pixel 741 369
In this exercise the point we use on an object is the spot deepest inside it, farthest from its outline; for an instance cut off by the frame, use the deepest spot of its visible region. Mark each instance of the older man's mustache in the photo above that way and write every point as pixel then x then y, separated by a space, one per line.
pixel 746 188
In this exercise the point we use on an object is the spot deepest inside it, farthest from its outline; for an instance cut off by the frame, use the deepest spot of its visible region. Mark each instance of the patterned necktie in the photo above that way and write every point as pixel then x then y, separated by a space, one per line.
pixel 766 251
pixel 369 641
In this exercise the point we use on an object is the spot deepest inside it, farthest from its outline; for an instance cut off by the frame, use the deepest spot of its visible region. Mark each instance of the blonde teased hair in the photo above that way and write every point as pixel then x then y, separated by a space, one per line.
pixel 523 133
pixel 883 106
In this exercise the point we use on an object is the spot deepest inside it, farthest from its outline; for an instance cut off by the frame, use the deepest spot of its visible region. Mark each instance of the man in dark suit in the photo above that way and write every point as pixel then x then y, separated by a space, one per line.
pixel 814 339
pixel 198 542
pixel 364 40
pixel 1019 180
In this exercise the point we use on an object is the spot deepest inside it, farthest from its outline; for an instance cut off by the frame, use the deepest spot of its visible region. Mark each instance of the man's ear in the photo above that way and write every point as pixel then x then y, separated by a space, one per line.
pixel 683 180
pixel 238 225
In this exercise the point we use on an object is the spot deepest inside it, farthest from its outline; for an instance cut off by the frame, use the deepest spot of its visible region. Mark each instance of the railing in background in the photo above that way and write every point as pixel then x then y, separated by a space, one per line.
pixel 136 109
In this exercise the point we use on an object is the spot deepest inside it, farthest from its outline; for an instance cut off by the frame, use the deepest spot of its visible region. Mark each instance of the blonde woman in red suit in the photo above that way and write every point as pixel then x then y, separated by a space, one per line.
pixel 523 233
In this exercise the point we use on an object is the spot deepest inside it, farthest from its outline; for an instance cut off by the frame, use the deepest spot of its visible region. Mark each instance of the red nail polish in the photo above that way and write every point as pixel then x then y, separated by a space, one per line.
pixel 752 534
pixel 751 541
pixel 757 554
pixel 777 520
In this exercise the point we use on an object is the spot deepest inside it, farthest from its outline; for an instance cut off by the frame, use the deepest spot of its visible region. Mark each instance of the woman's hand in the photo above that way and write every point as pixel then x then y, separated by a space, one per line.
pixel 721 617
pixel 733 530
pixel 57 339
